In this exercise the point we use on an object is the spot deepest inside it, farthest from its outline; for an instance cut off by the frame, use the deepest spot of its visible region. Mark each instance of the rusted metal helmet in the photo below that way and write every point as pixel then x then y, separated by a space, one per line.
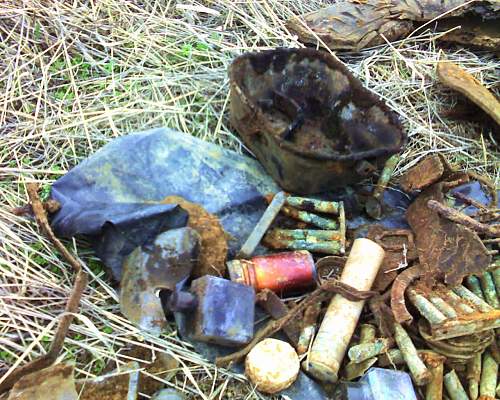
pixel 310 123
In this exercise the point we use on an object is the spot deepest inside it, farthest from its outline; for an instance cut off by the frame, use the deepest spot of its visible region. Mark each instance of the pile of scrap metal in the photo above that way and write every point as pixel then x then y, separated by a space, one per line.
pixel 431 285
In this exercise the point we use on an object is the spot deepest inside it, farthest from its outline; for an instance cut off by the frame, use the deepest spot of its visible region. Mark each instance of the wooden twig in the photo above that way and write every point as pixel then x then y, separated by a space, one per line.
pixel 460 218
pixel 320 294
pixel 9 379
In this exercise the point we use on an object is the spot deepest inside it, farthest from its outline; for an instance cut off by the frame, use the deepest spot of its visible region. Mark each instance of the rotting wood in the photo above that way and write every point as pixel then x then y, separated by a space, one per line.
pixel 9 379
pixel 320 294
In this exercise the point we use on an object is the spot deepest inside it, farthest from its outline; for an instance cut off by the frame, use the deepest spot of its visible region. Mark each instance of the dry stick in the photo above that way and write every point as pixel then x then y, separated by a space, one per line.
pixel 71 307
pixel 320 294
pixel 460 218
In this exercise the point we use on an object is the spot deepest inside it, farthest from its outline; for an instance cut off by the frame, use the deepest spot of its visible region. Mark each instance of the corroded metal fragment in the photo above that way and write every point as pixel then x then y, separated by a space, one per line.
pixel 435 363
pixel 460 80
pixel 401 283
pixel 474 375
pixel 444 247
pixel 277 309
pixel 52 383
pixel 364 351
pixel 314 205
pixel 161 265
pixel 399 251
pixel 472 31
pixel 428 171
pixel 454 387
pixel 308 330
pixel 489 377
pixel 302 113
pixel 374 204
pixel 353 25
pixel 419 371
pixel 213 252
pixel 354 370
pixel 349 25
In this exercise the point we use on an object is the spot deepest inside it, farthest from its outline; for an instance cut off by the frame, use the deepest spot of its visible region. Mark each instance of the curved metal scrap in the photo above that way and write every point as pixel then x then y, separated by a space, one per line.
pixel 161 265
pixel 445 248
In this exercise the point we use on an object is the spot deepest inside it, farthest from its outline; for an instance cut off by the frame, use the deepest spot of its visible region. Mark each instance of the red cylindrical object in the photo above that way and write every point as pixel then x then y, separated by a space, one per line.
pixel 280 272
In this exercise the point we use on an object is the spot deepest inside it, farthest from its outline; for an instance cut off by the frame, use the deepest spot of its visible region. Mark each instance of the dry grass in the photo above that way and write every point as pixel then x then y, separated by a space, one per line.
pixel 76 74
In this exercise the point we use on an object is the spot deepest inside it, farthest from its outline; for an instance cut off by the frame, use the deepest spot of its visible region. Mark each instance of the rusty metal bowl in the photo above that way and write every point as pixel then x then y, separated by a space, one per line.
pixel 310 123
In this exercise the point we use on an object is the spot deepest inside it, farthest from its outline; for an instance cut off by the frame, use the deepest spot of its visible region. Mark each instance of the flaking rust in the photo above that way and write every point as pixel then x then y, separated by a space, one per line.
pixel 149 268
pixel 449 318
pixel 445 249
pixel 302 113
pixel 427 172
pixel 213 253
pixel 399 252
pixel 353 25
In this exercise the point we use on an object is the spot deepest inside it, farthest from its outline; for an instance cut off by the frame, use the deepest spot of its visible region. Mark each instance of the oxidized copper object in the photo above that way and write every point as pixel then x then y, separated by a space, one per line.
pixel 303 114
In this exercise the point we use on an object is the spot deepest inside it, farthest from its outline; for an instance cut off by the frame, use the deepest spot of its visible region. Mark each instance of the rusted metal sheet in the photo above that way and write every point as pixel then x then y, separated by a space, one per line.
pixel 445 249
pixel 302 113
pixel 428 171
pixel 353 25
pixel 277 309
pixel 460 80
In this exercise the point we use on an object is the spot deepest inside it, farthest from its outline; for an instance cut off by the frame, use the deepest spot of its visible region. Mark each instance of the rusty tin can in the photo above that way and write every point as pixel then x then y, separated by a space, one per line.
pixel 303 114
pixel 281 272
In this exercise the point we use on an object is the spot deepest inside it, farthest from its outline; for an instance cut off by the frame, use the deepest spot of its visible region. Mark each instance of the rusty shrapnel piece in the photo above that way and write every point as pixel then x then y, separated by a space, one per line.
pixel 445 248
pixel 302 113
pixel 453 312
